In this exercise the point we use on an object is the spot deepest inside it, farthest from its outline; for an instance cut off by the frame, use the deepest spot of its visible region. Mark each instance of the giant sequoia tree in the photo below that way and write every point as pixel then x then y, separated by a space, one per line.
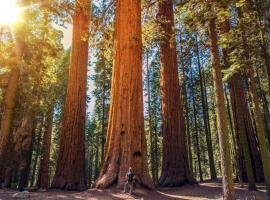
pixel 175 169
pixel 70 171
pixel 126 143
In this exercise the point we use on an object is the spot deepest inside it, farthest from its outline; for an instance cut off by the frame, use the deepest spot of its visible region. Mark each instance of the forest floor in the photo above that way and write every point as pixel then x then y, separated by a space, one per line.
pixel 201 191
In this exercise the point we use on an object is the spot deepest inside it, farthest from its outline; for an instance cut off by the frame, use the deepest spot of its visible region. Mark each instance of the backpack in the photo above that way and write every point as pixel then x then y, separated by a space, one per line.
pixel 130 176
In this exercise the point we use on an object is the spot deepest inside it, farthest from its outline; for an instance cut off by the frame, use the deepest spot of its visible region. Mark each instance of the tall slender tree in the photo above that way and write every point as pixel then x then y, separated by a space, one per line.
pixel 43 174
pixel 222 120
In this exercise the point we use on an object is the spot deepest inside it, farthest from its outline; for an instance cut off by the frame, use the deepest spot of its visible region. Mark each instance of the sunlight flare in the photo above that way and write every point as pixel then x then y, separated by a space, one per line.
pixel 9 12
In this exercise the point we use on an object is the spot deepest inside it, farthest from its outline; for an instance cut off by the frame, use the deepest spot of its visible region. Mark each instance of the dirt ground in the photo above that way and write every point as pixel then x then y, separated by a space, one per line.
pixel 201 191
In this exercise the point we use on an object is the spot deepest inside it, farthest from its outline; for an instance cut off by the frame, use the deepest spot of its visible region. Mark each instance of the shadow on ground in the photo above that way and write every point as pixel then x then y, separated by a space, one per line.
pixel 202 191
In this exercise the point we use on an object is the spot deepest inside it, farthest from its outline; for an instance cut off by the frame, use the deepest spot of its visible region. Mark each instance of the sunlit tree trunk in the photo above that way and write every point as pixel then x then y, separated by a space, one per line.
pixel 222 120
pixel 70 170
pixel 126 143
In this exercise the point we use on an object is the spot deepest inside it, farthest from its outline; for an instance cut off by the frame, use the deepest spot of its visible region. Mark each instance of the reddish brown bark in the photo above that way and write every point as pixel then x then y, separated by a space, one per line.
pixel 70 170
pixel 43 174
pixel 261 133
pixel 126 143
pixel 242 119
pixel 239 122
pixel 175 169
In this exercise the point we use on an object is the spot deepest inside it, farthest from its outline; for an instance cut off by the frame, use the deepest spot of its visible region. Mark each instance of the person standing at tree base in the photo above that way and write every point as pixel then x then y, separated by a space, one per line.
pixel 130 181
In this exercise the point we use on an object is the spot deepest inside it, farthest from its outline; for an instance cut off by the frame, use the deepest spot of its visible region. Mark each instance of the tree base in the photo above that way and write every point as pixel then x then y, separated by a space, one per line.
pixel 175 180
pixel 69 185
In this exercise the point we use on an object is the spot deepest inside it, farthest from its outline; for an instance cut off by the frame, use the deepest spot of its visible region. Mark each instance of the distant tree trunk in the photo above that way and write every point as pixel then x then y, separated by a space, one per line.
pixel 186 104
pixel 23 148
pixel 96 164
pixel 155 146
pixel 103 113
pixel 126 143
pixel 43 174
pixel 175 169
pixel 38 150
pixel 222 120
pixel 70 170
pixel 205 119
pixel 150 120
pixel 196 134
pixel 25 134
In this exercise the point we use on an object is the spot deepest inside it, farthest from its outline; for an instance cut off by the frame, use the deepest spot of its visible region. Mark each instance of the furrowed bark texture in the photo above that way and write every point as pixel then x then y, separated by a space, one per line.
pixel 175 167
pixel 222 120
pixel 70 171
pixel 126 143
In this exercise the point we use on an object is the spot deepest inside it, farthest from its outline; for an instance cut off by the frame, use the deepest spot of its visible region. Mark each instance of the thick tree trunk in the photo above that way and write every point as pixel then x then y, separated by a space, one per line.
pixel 239 122
pixel 175 169
pixel 126 143
pixel 6 121
pixel 222 120
pixel 43 174
pixel 70 170
pixel 242 114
